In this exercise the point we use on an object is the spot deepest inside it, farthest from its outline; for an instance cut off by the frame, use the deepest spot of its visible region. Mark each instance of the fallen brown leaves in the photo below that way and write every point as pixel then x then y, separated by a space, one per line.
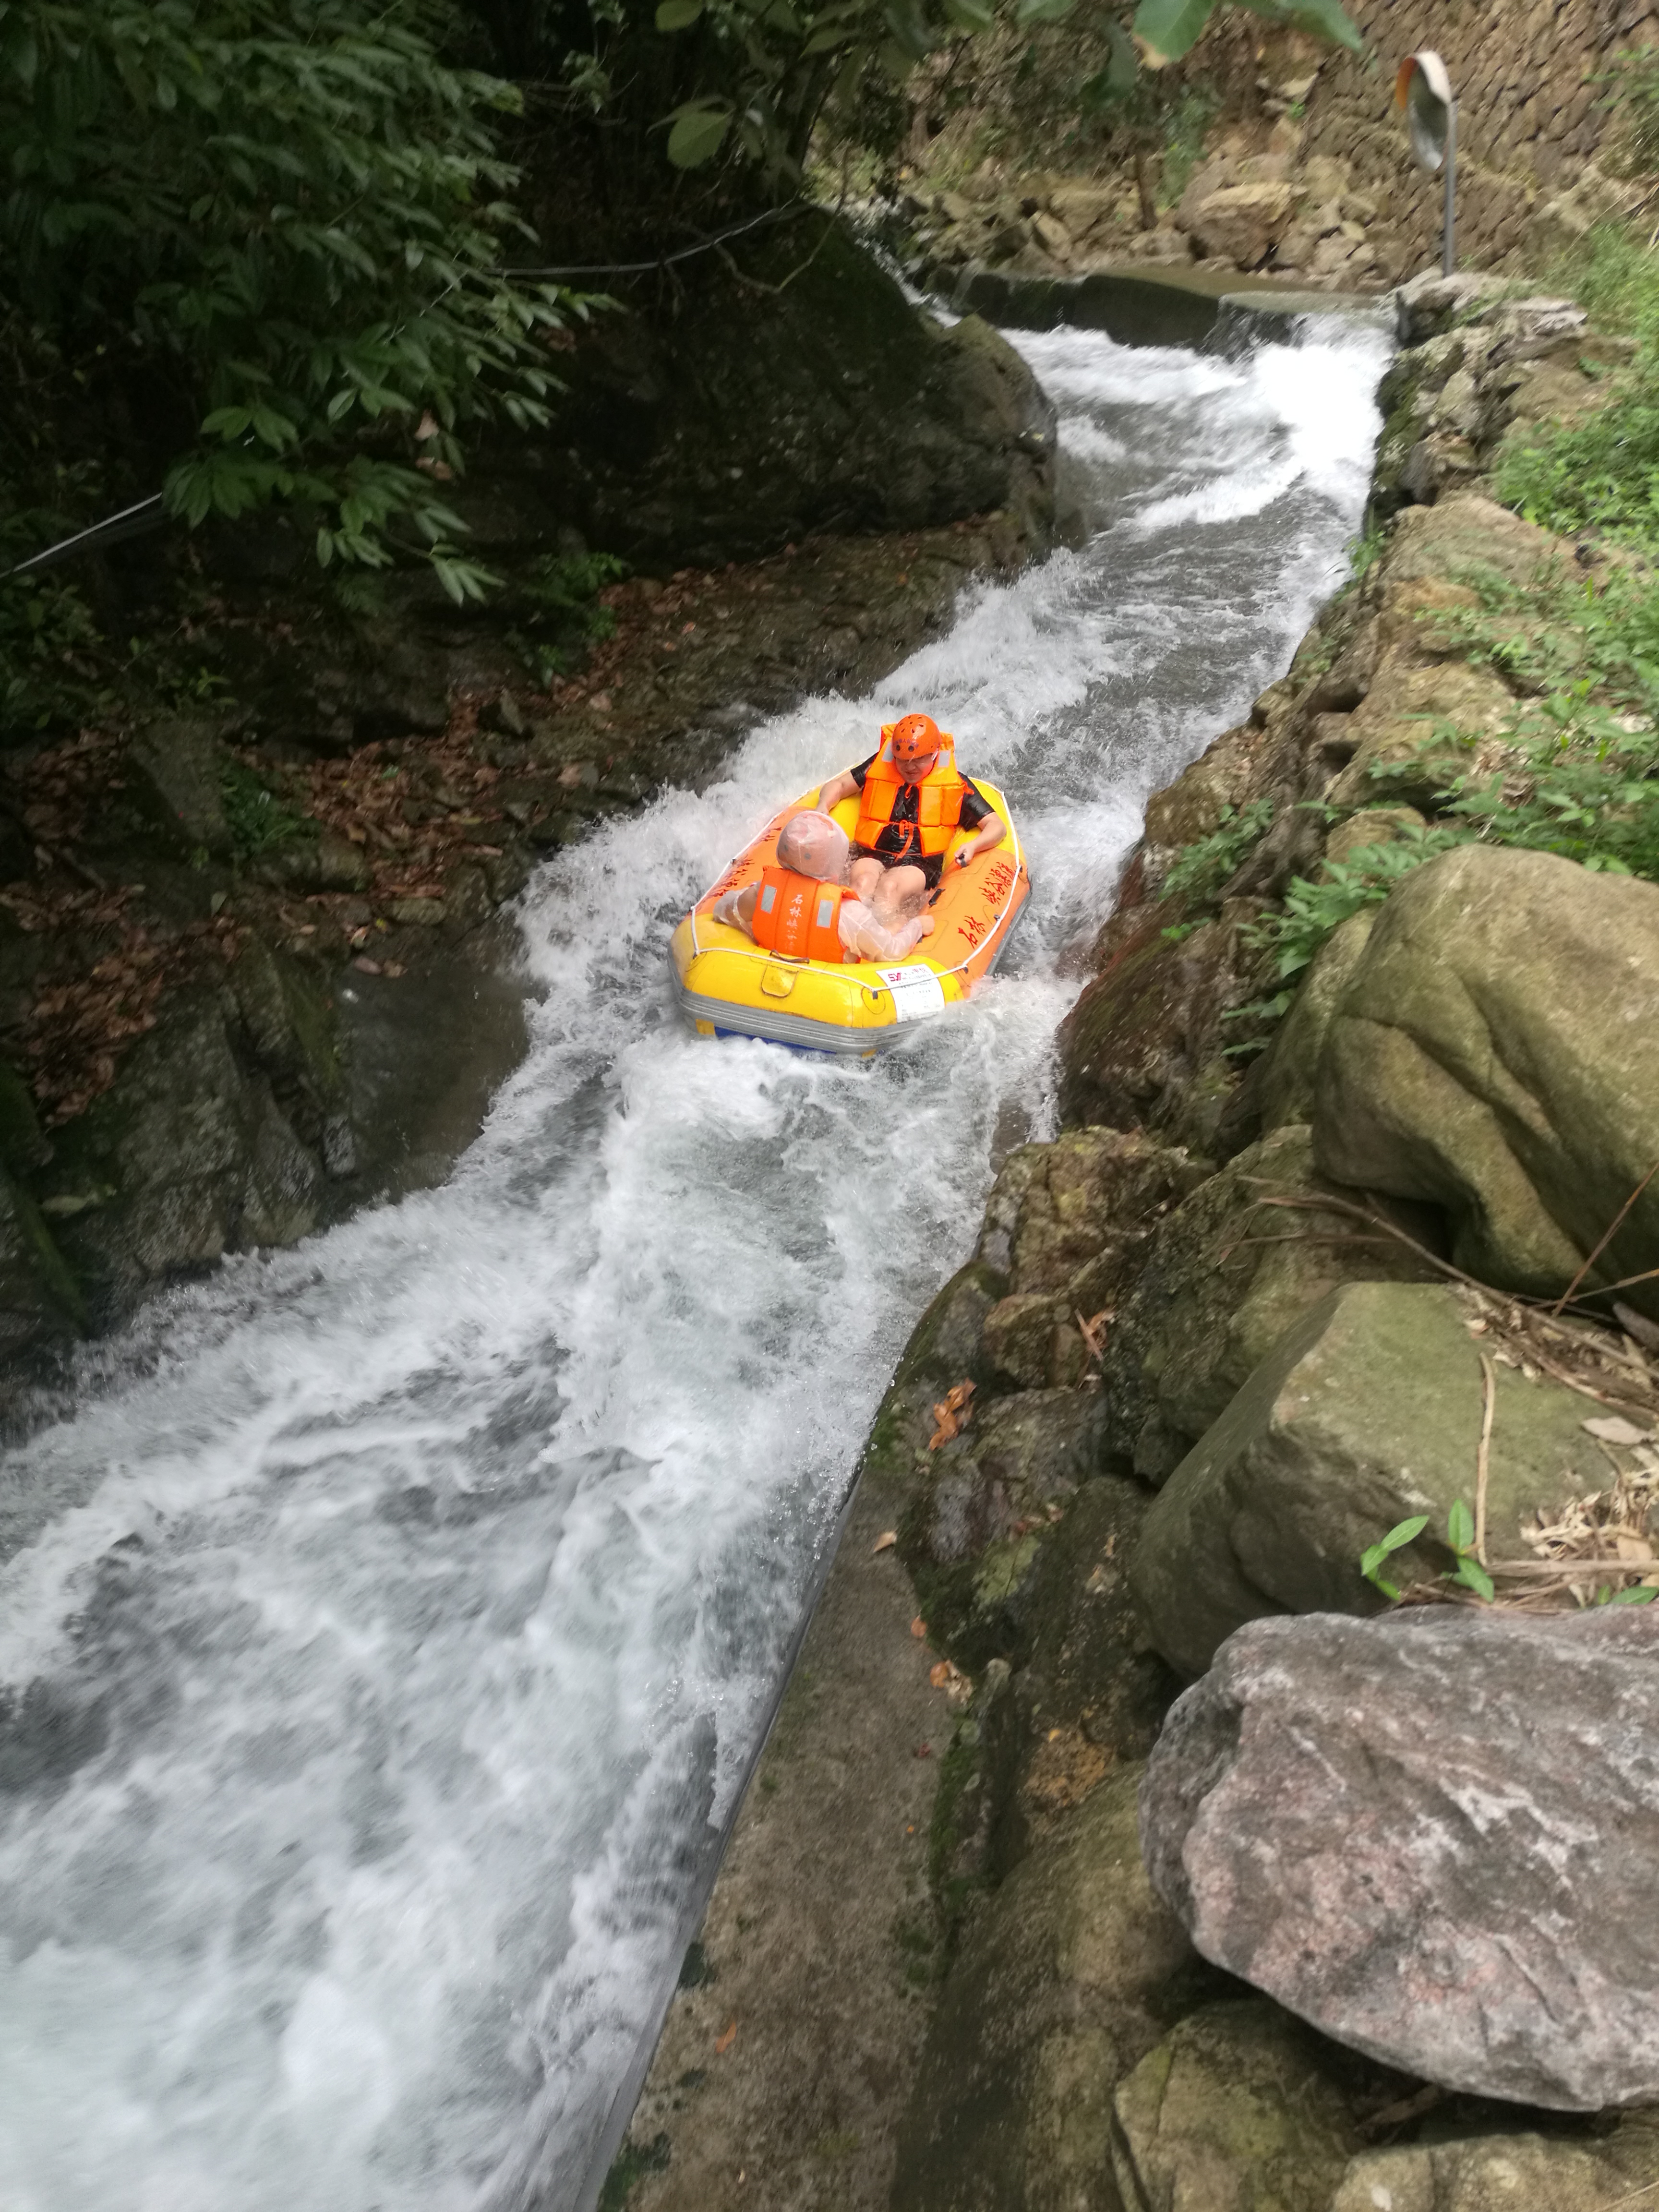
pixel 78 1025
pixel 415 807
pixel 952 1413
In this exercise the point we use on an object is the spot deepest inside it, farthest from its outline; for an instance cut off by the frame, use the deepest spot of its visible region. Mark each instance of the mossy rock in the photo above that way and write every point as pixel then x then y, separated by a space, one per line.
pixel 1066 1975
pixel 1495 1052
pixel 1234 2112
pixel 185 1157
pixel 1504 2170
pixel 1367 1412
pixel 1227 1273
pixel 820 398
pixel 943 1349
pixel 982 1507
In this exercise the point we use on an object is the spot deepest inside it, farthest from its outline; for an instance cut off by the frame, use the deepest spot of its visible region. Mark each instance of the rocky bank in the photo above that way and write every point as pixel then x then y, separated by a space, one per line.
pixel 1367 1930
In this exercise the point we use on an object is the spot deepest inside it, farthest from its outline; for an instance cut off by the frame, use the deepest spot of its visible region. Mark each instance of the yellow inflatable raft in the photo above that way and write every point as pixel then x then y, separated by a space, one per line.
pixel 729 986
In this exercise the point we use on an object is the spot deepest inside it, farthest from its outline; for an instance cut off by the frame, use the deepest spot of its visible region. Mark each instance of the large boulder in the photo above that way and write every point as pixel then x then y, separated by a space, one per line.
pixel 1367 1411
pixel 747 415
pixel 1064 1979
pixel 1243 223
pixel 1496 1051
pixel 186 1157
pixel 1432 1836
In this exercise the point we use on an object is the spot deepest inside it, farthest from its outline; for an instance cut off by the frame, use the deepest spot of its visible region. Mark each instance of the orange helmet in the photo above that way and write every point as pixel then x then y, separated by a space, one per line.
pixel 916 736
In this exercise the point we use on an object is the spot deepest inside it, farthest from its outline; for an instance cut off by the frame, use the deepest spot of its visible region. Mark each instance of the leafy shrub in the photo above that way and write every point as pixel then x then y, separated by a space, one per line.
pixel 1312 909
pixel 1562 631
pixel 258 818
pixel 290 215
pixel 1206 865
pixel 566 617
pixel 1599 474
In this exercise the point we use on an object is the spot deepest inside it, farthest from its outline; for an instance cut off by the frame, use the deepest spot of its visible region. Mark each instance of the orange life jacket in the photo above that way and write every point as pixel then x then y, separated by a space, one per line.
pixel 798 917
pixel 939 803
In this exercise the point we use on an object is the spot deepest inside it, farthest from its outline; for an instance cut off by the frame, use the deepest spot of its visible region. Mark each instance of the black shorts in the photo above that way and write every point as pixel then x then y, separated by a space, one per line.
pixel 933 870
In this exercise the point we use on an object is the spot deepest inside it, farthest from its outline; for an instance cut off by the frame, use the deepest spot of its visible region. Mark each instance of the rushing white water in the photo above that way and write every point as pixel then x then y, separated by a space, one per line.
pixel 392 1617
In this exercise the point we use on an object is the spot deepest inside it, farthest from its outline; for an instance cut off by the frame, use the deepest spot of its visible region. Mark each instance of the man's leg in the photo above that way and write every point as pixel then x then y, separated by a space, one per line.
pixel 900 895
pixel 864 878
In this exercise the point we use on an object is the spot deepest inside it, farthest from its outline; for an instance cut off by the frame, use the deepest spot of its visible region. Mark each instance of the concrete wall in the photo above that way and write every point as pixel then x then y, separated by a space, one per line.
pixel 1528 116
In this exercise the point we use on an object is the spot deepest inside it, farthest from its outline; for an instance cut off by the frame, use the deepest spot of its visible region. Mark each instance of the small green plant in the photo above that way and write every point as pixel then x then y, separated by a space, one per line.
pixel 1466 1571
pixel 1374 1557
pixel 50 649
pixel 1583 784
pixel 1631 85
pixel 1561 631
pixel 565 619
pixel 1206 865
pixel 257 819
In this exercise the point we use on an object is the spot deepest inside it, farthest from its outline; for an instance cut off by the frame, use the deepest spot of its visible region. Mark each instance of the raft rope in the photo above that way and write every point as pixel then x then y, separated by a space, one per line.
pixel 667 260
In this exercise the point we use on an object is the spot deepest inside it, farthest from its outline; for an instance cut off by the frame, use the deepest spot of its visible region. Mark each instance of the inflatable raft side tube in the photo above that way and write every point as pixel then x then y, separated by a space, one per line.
pixel 773 1026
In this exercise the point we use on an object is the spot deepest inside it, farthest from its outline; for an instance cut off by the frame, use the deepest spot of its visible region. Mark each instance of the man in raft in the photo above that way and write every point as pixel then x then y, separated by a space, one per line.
pixel 803 907
pixel 912 801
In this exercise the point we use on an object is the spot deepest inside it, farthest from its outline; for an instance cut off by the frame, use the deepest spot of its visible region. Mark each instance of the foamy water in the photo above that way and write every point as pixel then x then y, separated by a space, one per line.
pixel 395 1618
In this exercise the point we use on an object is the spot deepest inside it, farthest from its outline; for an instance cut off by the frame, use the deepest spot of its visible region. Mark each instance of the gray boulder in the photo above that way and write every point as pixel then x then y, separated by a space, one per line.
pixel 186 1157
pixel 1367 1411
pixel 1496 1051
pixel 1433 1837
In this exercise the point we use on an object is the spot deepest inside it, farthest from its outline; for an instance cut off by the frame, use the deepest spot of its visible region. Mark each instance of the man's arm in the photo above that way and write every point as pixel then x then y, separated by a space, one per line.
pixel 980 816
pixel 846 785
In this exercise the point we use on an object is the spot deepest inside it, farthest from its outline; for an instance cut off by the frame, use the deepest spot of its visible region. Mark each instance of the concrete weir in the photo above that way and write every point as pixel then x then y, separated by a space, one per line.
pixel 1204 307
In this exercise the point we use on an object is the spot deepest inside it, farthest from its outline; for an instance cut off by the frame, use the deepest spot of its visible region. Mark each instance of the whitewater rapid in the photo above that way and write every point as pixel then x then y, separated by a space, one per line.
pixel 390 1624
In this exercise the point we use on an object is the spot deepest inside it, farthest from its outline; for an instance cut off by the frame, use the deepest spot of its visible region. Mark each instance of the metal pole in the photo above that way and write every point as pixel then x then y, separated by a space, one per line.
pixel 1448 227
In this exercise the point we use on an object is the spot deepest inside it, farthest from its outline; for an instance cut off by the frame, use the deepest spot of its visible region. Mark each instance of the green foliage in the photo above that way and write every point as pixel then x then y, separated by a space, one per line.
pixel 1206 865
pixel 258 820
pixel 1562 632
pixel 49 647
pixel 771 69
pixel 1170 28
pixel 1586 786
pixel 1312 909
pixel 1630 86
pixel 288 214
pixel 566 618
pixel 1602 473
pixel 1371 1561
pixel 1613 274
pixel 1466 1571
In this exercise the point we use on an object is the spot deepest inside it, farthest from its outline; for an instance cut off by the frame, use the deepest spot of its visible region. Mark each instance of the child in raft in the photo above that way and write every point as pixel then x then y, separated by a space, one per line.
pixel 812 844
